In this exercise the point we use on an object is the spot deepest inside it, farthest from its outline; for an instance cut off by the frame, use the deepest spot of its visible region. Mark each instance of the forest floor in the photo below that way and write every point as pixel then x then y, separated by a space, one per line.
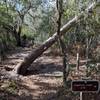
pixel 43 80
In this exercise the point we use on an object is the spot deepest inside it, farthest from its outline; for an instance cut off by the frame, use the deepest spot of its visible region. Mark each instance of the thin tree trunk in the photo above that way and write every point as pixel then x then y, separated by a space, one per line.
pixel 77 63
pixel 22 67
pixel 87 50
pixel 19 36
pixel 62 45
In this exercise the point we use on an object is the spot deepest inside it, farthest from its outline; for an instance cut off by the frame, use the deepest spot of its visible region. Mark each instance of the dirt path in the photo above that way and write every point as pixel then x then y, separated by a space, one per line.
pixel 43 77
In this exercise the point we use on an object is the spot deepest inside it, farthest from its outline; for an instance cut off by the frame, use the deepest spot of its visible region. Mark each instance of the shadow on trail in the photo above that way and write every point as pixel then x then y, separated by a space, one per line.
pixel 39 68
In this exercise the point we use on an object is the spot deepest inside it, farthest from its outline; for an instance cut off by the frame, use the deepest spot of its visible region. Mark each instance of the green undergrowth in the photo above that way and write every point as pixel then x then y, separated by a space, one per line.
pixel 9 86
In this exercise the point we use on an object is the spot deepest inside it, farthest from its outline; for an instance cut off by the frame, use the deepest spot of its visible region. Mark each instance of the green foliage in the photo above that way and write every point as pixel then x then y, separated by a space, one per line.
pixel 10 87
pixel 40 19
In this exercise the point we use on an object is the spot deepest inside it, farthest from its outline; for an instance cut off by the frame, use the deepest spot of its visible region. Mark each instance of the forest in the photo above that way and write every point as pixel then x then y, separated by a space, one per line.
pixel 48 48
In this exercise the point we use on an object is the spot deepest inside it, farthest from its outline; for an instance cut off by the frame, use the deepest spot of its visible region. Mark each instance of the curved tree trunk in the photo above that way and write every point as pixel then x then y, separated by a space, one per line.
pixel 22 67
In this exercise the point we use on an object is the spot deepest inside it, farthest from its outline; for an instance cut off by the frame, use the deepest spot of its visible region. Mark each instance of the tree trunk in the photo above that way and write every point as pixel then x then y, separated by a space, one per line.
pixel 19 36
pixel 59 5
pixel 22 67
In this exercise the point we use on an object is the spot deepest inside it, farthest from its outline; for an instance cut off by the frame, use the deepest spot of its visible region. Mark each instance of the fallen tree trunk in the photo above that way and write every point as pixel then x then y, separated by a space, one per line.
pixel 22 67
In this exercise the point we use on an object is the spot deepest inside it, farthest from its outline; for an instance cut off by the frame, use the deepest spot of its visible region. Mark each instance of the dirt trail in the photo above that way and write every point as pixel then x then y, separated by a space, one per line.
pixel 43 77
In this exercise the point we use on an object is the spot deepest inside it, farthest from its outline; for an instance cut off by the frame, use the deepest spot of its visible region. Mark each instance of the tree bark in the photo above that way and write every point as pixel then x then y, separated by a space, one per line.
pixel 22 67
pixel 19 36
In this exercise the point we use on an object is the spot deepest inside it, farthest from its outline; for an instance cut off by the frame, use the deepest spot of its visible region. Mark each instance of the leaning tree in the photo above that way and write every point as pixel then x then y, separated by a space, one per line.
pixel 21 68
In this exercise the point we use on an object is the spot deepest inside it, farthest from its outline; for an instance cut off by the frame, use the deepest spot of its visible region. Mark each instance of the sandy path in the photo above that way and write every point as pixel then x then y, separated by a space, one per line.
pixel 43 77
